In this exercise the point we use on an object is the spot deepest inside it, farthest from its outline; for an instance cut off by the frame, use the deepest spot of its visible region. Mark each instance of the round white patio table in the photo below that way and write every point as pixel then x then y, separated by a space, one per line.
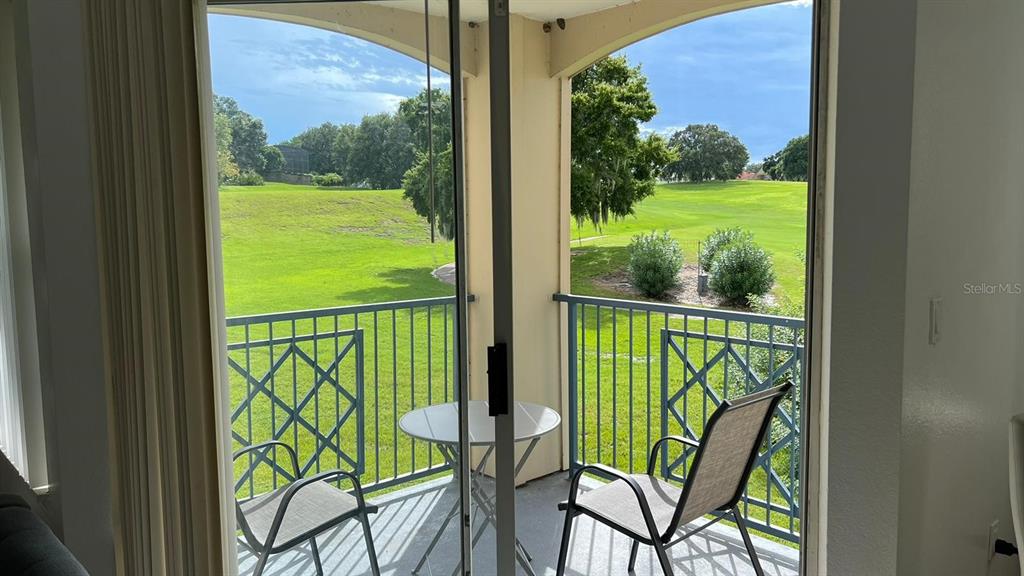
pixel 439 425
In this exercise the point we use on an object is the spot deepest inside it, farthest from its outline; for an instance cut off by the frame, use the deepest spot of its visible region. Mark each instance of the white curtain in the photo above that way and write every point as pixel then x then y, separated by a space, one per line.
pixel 12 428
pixel 149 167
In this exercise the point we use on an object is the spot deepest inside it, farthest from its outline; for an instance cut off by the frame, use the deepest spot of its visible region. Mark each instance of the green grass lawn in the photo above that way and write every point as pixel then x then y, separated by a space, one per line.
pixel 297 247
pixel 289 248
pixel 775 212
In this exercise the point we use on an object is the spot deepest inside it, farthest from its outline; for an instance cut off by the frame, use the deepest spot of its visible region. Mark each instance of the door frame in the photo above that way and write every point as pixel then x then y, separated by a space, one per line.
pixel 218 328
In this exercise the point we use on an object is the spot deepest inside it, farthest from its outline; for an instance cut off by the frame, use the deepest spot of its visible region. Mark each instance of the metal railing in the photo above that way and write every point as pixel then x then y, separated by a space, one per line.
pixel 640 370
pixel 334 382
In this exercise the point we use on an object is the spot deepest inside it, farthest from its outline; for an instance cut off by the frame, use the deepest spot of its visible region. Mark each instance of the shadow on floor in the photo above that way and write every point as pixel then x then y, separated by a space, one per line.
pixel 409 518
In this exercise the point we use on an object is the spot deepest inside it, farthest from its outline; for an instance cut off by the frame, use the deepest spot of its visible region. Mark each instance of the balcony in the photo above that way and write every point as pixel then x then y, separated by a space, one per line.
pixel 334 383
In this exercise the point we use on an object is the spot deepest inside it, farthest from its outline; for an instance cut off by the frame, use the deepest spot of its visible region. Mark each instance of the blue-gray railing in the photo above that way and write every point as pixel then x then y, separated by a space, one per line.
pixel 334 383
pixel 641 370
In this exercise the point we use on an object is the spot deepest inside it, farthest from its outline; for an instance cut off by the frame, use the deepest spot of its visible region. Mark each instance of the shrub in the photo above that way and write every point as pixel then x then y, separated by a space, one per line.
pixel 741 269
pixel 329 180
pixel 246 178
pixel 654 263
pixel 718 240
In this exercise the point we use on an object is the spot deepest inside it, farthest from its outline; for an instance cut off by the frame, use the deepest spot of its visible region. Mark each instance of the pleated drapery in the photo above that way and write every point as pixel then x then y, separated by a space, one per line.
pixel 148 168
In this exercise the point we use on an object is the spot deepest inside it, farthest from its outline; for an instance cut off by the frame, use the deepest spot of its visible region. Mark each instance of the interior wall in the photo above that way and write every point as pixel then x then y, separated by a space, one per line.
pixel 871 135
pixel 963 247
pixel 56 147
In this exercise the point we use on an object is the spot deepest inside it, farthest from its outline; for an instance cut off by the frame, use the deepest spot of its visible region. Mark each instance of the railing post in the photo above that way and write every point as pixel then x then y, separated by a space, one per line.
pixel 360 403
pixel 663 350
pixel 573 392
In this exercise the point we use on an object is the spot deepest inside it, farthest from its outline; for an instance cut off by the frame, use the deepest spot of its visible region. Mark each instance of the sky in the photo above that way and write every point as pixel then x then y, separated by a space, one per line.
pixel 747 71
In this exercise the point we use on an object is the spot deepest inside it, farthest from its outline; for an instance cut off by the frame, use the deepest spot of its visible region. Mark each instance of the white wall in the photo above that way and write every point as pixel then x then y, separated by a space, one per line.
pixel 965 216
pixel 56 148
pixel 871 132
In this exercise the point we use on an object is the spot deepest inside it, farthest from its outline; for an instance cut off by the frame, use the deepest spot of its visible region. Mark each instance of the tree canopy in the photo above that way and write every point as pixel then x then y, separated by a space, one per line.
pixel 792 162
pixel 319 141
pixel 613 166
pixel 382 152
pixel 706 152
pixel 241 141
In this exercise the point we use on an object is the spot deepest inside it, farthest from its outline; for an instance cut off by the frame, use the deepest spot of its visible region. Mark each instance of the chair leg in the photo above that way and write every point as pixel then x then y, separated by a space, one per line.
pixel 563 550
pixel 659 548
pixel 316 557
pixel 741 524
pixel 370 551
pixel 261 563
pixel 632 555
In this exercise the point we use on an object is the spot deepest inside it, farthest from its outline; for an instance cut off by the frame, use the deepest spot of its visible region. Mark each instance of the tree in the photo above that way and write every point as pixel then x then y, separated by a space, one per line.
pixel 382 152
pixel 319 142
pixel 796 159
pixel 226 167
pixel 413 111
pixel 706 152
pixel 273 159
pixel 248 138
pixel 772 166
pixel 792 162
pixel 417 190
pixel 342 149
pixel 613 167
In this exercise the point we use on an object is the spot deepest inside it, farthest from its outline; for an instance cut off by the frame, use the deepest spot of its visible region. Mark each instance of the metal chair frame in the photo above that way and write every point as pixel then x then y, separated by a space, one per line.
pixel 661 541
pixel 265 549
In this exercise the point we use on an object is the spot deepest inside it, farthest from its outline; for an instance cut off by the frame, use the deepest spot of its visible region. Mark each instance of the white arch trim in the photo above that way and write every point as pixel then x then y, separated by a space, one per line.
pixel 399 30
pixel 588 38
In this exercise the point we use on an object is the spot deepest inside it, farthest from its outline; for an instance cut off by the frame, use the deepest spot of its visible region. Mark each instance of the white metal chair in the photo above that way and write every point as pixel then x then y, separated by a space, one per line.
pixel 298 512
pixel 650 510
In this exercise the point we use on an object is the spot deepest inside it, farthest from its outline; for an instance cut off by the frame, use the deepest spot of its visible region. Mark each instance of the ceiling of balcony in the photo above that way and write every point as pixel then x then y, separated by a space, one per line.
pixel 540 10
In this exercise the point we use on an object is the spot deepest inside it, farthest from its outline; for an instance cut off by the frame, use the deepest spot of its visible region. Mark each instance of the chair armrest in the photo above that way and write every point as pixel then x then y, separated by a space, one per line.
pixel 300 484
pixel 653 461
pixel 608 471
pixel 269 444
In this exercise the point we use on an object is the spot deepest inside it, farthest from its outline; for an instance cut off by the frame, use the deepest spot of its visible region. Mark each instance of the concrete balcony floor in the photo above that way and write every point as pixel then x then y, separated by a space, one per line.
pixel 410 517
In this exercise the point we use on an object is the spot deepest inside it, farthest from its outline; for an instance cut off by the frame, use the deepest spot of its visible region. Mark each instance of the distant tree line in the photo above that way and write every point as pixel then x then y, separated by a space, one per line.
pixel 379 151
pixel 614 164
pixel 242 150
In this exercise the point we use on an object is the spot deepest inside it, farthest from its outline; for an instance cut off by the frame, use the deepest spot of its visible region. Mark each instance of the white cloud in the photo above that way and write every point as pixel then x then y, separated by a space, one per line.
pixel 799 3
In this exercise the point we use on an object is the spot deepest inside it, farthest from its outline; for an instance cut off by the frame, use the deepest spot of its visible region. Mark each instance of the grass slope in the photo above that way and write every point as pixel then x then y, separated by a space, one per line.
pixel 292 248
pixel 775 212
pixel 296 247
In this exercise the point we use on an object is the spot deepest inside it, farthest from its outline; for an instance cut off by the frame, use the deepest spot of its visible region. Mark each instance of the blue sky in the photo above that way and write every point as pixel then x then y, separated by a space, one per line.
pixel 747 71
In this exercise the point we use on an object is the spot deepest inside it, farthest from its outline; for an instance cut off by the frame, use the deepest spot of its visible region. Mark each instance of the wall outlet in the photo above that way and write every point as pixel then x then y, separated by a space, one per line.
pixel 993 535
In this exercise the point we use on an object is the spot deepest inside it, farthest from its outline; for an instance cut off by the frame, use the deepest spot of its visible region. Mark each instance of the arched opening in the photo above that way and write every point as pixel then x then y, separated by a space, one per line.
pixel 687 225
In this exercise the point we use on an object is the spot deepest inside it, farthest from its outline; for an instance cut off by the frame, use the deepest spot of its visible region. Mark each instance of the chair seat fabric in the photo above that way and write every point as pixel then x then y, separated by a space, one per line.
pixel 616 503
pixel 314 508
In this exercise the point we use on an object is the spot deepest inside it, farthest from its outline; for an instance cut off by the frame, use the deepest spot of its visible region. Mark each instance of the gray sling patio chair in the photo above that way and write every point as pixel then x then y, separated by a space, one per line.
pixel 299 511
pixel 650 510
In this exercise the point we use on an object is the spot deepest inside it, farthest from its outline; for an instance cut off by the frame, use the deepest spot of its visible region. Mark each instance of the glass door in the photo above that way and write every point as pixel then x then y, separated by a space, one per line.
pixel 339 136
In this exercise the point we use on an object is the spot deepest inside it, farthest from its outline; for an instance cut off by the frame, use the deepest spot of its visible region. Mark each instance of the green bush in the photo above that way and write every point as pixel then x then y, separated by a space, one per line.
pixel 654 263
pixel 718 240
pixel 246 178
pixel 741 269
pixel 329 180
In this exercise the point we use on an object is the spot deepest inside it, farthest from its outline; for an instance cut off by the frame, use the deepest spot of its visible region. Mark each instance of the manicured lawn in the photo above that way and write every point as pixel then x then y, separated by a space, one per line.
pixel 289 248
pixel 297 247
pixel 775 212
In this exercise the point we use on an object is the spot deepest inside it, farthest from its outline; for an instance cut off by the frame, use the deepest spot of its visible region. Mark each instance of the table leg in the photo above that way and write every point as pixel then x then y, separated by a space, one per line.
pixel 483 504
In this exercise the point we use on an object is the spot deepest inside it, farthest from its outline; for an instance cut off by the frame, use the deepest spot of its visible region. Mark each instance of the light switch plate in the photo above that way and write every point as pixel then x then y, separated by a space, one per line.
pixel 934 321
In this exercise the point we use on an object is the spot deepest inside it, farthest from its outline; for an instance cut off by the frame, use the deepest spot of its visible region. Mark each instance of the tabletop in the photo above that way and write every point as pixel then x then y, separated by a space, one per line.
pixel 440 422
